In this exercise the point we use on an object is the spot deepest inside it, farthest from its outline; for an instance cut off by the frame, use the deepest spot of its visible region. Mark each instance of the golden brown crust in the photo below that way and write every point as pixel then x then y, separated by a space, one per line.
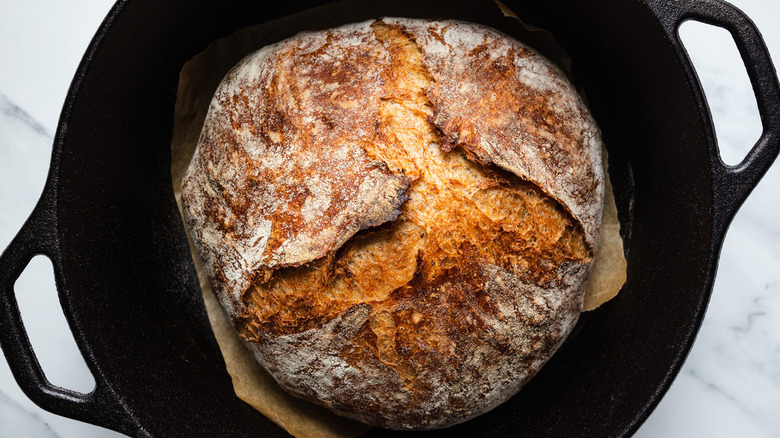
pixel 470 266
pixel 534 124
pixel 266 124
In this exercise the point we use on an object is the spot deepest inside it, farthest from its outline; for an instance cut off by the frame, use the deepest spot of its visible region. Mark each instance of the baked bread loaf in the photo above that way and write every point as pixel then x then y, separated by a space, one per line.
pixel 399 216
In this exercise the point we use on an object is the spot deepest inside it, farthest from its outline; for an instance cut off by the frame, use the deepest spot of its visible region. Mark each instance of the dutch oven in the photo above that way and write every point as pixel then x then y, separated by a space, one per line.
pixel 108 221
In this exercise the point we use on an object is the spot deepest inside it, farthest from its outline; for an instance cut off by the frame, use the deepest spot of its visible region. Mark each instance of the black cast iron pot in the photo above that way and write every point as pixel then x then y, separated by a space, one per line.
pixel 109 223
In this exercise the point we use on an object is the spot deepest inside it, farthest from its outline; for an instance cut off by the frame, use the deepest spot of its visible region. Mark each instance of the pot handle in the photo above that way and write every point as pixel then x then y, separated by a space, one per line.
pixel 732 184
pixel 38 236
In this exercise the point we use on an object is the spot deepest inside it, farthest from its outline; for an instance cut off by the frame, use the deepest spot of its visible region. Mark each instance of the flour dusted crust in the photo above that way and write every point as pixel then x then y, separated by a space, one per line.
pixel 535 125
pixel 399 215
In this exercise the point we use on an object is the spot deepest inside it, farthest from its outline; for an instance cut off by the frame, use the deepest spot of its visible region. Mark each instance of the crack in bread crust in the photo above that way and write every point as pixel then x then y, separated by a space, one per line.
pixel 470 275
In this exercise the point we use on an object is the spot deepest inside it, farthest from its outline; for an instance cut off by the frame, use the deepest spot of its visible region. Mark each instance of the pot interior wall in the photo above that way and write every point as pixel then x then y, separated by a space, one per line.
pixel 136 301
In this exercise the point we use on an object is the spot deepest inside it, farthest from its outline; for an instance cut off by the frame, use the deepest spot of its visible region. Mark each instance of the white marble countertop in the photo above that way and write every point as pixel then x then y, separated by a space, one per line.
pixel 729 385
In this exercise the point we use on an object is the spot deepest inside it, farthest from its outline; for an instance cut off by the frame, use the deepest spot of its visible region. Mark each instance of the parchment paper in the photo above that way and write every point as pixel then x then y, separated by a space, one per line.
pixel 199 79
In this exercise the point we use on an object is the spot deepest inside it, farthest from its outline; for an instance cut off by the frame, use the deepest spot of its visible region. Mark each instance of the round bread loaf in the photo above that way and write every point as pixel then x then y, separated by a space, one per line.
pixel 399 216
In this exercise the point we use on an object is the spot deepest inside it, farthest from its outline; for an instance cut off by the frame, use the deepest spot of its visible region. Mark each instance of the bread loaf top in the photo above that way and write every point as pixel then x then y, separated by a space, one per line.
pixel 398 215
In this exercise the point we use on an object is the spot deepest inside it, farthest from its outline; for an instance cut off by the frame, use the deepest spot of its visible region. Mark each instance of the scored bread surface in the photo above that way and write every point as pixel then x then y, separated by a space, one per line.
pixel 399 215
